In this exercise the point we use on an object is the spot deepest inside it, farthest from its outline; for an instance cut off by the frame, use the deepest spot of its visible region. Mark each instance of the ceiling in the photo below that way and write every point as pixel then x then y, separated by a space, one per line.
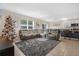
pixel 46 11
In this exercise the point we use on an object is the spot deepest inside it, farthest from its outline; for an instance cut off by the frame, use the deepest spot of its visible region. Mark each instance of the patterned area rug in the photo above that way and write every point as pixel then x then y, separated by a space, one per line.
pixel 36 47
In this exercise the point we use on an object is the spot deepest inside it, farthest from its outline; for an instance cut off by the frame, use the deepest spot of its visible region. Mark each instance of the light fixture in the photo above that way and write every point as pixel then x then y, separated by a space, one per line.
pixel 64 19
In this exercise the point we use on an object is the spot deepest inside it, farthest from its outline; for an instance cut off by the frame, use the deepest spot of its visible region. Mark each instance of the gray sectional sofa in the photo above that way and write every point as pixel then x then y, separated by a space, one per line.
pixel 28 34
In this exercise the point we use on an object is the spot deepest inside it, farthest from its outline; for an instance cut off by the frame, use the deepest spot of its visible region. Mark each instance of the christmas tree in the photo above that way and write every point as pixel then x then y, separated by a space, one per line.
pixel 8 33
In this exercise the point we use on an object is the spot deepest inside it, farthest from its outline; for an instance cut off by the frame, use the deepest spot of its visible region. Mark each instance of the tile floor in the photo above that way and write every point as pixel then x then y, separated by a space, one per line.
pixel 66 48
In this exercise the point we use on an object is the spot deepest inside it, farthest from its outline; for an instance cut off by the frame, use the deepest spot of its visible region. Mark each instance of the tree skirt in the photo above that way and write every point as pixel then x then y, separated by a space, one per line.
pixel 36 47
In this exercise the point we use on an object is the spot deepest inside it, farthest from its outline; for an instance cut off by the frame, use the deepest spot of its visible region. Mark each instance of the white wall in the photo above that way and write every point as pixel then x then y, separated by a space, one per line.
pixel 55 24
pixel 63 24
pixel 67 23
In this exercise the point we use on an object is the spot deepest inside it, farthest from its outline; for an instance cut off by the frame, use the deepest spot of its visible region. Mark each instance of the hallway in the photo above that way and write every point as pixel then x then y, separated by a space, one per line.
pixel 66 48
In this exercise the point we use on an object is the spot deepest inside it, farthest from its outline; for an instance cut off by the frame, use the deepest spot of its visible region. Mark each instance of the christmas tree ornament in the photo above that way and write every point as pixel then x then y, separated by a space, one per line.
pixel 8 33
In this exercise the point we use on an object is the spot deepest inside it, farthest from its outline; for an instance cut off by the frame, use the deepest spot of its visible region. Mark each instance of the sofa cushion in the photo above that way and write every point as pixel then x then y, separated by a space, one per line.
pixel 25 35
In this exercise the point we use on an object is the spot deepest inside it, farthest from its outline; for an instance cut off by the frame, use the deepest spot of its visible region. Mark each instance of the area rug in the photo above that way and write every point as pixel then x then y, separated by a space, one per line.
pixel 35 47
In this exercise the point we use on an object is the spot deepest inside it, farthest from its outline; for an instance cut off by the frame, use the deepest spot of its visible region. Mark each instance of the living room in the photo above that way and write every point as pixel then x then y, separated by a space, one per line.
pixel 38 29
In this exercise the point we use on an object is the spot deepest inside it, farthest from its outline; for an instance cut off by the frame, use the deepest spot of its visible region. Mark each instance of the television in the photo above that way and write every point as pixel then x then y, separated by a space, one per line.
pixel 74 25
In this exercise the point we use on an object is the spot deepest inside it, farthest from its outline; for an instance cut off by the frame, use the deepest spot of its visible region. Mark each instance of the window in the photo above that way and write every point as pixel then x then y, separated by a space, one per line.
pixel 23 27
pixel 23 24
pixel 26 25
pixel 23 21
pixel 30 22
pixel 30 25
